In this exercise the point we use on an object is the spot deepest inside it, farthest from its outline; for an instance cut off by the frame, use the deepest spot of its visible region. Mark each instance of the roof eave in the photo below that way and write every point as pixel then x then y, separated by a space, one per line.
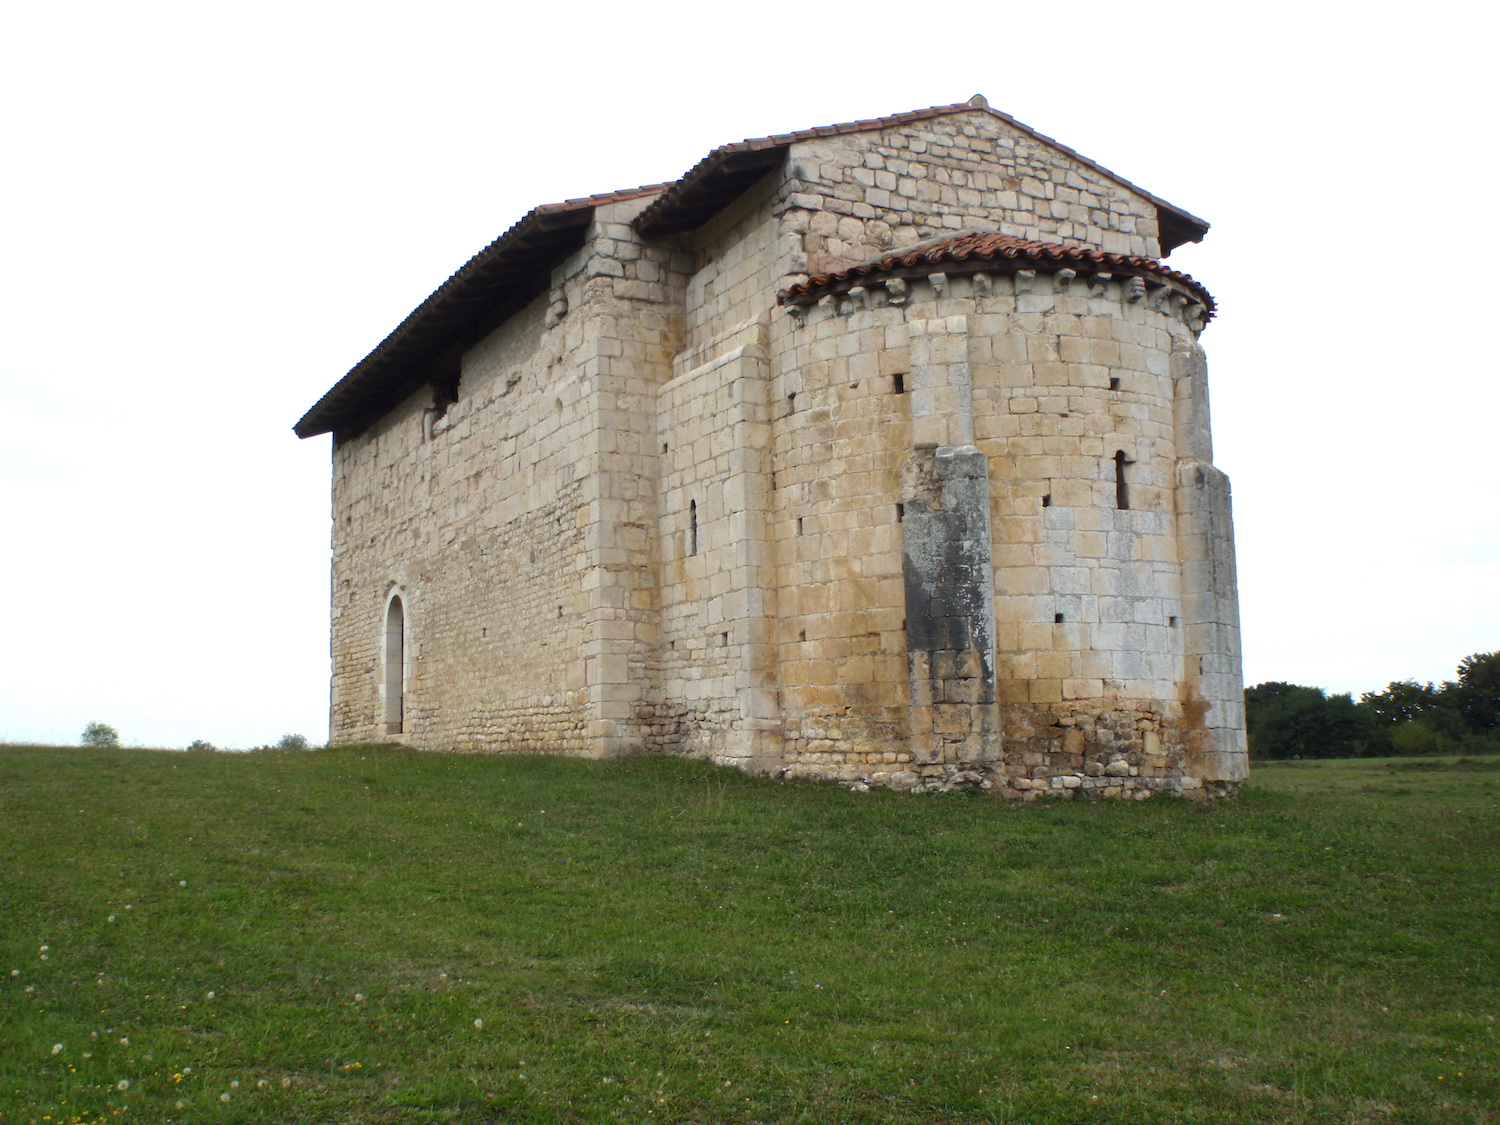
pixel 509 269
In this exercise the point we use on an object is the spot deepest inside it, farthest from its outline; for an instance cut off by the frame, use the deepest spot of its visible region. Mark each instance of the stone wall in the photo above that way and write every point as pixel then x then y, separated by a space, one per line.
pixel 472 516
pixel 715 673
pixel 854 197
pixel 1116 643
pixel 518 521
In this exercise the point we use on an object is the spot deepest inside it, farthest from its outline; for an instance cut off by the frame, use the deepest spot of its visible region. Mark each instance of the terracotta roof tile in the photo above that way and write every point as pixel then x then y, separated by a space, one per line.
pixel 989 246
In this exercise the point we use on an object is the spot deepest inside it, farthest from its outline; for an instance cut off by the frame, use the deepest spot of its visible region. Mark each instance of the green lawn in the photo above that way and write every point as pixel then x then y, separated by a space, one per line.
pixel 369 935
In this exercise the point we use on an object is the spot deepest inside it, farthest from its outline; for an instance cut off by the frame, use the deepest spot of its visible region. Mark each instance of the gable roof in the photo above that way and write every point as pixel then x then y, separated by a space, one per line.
pixel 515 267
pixel 720 177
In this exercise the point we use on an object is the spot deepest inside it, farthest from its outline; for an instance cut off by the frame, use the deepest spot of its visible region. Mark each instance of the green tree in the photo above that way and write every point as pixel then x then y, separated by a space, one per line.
pixel 1293 721
pixel 100 734
pixel 291 742
pixel 1476 695
pixel 1402 701
pixel 1412 718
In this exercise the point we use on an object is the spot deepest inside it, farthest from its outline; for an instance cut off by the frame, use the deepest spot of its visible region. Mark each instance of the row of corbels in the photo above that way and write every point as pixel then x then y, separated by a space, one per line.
pixel 898 291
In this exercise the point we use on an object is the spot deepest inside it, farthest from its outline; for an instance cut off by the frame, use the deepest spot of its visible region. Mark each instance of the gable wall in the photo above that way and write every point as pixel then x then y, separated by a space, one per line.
pixel 866 193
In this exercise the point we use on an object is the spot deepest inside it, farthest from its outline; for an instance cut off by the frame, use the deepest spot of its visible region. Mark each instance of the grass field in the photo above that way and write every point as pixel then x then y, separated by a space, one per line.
pixel 369 935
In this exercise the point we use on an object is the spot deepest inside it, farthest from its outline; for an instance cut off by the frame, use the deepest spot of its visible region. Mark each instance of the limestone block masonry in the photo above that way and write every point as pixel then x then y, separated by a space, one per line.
pixel 878 452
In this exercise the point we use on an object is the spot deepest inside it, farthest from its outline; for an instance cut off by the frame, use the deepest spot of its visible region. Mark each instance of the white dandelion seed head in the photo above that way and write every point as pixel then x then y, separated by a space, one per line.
pixel 359 997
pixel 123 1084
pixel 44 949
pixel 180 1105
pixel 261 1085
pixel 187 1070
pixel 57 1048
pixel 209 995
pixel 183 883
pixel 285 1083
pixel 223 1097
pixel 111 917
pixel 235 1085
pixel 125 1042
pixel 478 1024
pixel 15 972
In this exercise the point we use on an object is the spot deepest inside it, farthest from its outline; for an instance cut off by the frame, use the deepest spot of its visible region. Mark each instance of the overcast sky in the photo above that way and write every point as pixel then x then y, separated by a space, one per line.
pixel 210 212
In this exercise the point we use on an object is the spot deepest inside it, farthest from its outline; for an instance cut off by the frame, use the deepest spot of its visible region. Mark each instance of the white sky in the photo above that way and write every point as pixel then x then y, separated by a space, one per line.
pixel 210 212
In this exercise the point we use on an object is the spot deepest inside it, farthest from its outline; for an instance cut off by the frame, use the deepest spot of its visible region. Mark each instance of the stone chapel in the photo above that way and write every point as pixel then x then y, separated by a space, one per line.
pixel 876 452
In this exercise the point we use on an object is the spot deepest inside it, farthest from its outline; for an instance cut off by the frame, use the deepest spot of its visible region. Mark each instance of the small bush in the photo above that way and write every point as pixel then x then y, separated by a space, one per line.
pixel 291 742
pixel 1419 738
pixel 100 734
pixel 201 747
pixel 1480 743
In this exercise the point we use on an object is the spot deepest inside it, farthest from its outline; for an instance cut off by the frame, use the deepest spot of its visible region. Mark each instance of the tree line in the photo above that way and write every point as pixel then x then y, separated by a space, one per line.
pixel 1461 716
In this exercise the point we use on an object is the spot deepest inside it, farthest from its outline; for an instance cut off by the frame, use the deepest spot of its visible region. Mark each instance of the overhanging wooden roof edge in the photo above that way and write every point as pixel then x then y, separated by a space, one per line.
pixel 543 237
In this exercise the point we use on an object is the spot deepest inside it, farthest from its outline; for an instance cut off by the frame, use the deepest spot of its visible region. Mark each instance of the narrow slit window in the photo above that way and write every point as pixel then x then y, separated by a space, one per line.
pixel 1122 486
pixel 1046 499
pixel 1114 383
pixel 395 666
pixel 898 384
pixel 799 525
pixel 1057 619
pixel 791 403
pixel 900 512
pixel 692 535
